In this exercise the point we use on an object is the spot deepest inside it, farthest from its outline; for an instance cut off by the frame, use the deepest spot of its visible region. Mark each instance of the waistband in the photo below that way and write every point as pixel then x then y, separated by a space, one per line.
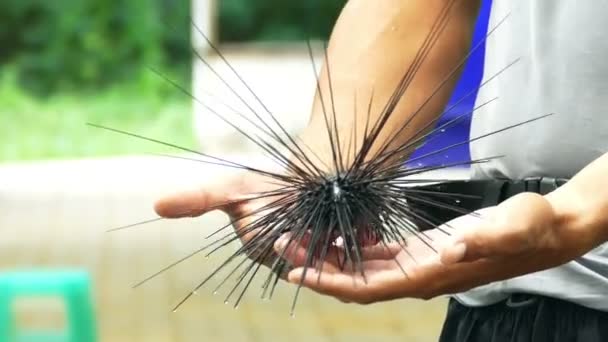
pixel 466 196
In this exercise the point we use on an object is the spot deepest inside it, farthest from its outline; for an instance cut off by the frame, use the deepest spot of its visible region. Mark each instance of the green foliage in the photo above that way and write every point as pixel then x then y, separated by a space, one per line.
pixel 75 44
pixel 55 127
pixel 277 20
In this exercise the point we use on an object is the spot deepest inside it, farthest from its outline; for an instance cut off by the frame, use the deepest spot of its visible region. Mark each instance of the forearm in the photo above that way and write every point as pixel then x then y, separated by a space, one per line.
pixel 581 205
pixel 372 46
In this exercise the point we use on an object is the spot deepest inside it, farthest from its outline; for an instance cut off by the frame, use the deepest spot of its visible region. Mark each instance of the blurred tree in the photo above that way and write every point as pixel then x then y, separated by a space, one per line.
pixel 78 45
pixel 277 20
pixel 71 44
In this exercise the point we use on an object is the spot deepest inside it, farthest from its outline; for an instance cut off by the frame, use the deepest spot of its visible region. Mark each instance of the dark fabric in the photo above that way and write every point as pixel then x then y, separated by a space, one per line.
pixel 472 195
pixel 524 318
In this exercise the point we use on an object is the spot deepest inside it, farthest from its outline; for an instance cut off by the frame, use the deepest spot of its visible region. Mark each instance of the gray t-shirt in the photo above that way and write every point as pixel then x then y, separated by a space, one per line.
pixel 564 70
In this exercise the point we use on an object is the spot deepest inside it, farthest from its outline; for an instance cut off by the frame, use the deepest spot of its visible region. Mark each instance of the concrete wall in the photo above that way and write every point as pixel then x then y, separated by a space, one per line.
pixel 281 76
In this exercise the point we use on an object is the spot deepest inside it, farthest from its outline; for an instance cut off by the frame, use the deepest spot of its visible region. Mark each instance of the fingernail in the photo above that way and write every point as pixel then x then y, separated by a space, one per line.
pixel 294 276
pixel 453 253
pixel 281 243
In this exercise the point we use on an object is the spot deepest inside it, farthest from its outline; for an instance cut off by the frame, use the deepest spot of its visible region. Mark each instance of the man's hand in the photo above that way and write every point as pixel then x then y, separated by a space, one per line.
pixel 231 195
pixel 520 236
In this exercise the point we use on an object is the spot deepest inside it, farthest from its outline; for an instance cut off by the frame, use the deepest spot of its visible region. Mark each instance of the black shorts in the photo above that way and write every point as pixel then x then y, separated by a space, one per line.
pixel 524 318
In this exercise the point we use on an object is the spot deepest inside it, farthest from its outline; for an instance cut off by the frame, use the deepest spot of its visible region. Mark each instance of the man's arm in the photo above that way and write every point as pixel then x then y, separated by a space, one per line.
pixel 371 48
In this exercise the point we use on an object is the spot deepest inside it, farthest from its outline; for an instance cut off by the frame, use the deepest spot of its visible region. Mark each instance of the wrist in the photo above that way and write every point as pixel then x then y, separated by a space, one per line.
pixel 315 143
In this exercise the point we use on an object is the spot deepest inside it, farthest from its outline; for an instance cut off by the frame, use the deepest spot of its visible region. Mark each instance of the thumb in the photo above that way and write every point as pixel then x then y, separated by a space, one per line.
pixel 473 245
pixel 511 228
pixel 475 241
pixel 197 202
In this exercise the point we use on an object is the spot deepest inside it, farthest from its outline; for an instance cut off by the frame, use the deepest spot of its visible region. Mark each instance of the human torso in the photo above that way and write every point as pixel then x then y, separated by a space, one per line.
pixel 563 46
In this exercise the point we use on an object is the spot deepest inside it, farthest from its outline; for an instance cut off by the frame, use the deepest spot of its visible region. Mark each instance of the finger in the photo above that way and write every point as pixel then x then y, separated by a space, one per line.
pixel 380 280
pixel 194 203
pixel 381 251
pixel 293 248
pixel 340 285
pixel 187 204
pixel 296 252
pixel 454 252
pixel 470 243
pixel 465 232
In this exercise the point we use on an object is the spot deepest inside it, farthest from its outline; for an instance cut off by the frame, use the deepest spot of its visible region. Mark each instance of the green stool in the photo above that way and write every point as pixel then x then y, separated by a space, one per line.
pixel 74 287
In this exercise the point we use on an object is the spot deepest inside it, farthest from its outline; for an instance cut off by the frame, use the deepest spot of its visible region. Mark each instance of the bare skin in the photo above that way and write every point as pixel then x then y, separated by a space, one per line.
pixel 525 234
